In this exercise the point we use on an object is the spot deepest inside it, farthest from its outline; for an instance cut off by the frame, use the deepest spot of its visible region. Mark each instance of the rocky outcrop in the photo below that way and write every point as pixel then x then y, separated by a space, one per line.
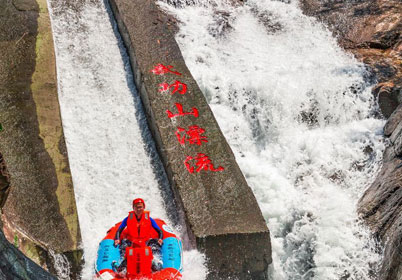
pixel 372 31
pixel 381 204
pixel 14 265
pixel 221 213
pixel 38 208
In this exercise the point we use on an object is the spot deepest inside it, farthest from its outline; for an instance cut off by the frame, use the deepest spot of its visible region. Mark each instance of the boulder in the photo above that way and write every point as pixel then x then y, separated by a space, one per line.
pixel 389 97
pixel 221 213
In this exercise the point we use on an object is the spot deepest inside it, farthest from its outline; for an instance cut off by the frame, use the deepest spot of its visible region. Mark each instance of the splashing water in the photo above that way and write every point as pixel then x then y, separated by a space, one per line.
pixel 61 265
pixel 111 152
pixel 299 115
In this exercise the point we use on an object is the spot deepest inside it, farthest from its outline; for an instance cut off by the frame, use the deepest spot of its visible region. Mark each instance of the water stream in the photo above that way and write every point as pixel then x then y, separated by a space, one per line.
pixel 111 152
pixel 296 109
pixel 299 115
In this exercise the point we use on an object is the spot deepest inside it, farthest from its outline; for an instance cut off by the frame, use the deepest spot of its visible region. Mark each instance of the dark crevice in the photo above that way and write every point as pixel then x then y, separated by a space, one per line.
pixel 4 181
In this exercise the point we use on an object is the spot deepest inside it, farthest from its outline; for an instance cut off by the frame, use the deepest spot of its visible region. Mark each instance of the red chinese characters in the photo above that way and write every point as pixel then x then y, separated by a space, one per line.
pixel 179 107
pixel 161 69
pixel 193 135
pixel 200 162
pixel 176 86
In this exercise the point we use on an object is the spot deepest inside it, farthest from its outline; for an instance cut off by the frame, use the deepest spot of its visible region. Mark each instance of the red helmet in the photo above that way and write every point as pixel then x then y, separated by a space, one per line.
pixel 138 200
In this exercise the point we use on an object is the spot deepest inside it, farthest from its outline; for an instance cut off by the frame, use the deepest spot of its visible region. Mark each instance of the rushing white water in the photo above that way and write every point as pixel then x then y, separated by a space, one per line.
pixel 298 113
pixel 111 152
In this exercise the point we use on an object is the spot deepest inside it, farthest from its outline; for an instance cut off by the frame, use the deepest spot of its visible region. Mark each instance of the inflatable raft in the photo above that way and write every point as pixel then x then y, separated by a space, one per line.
pixel 139 257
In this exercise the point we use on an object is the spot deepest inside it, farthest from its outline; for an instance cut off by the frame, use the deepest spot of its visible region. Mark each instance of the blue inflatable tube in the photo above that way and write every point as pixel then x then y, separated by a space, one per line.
pixel 107 253
pixel 171 253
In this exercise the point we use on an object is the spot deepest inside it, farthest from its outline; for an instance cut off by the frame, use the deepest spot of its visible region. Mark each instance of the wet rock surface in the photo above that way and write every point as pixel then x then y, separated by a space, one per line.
pixel 39 208
pixel 14 265
pixel 381 208
pixel 209 199
pixel 371 30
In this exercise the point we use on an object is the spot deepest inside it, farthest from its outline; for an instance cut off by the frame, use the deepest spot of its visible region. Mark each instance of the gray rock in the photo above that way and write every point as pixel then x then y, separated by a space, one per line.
pixel 392 269
pixel 393 121
pixel 396 139
pixel 220 210
pixel 14 265
pixel 389 98
pixel 381 208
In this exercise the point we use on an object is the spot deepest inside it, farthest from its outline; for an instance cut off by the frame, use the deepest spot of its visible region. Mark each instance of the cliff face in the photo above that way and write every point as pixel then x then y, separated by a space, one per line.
pixel 371 30
pixel 36 191
pixel 381 204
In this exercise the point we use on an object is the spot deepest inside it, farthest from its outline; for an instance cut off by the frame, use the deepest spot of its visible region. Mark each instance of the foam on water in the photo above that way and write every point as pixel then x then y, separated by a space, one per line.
pixel 298 113
pixel 111 152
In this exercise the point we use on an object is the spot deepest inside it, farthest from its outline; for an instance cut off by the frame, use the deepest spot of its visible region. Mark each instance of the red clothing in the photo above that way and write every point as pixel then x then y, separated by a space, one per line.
pixel 139 229
pixel 144 229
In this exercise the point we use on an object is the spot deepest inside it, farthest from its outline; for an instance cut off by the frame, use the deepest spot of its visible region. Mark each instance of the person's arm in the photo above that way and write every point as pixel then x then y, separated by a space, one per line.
pixel 157 228
pixel 119 231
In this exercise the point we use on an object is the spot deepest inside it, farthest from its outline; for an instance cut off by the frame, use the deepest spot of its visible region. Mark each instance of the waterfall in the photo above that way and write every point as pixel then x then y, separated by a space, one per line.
pixel 298 112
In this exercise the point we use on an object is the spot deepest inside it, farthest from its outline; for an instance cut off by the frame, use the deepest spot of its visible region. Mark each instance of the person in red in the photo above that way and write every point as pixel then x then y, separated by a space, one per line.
pixel 140 228
pixel 139 225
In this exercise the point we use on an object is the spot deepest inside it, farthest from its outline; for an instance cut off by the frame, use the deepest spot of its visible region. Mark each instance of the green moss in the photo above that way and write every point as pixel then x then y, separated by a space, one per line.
pixel 16 241
pixel 27 246
pixel 30 250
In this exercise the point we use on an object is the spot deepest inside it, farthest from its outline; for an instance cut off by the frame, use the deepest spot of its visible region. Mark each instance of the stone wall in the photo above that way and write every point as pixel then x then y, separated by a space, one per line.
pixel 38 208
pixel 221 213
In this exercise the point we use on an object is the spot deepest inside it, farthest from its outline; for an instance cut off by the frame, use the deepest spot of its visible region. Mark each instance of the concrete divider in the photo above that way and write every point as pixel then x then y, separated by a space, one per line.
pixel 38 204
pixel 221 212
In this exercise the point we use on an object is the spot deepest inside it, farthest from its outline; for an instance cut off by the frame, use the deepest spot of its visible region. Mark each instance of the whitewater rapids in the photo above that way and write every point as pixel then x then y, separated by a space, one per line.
pixel 299 114
pixel 296 109
pixel 111 152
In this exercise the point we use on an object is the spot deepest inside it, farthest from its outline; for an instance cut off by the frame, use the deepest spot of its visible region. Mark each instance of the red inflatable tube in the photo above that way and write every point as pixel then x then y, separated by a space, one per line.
pixel 139 259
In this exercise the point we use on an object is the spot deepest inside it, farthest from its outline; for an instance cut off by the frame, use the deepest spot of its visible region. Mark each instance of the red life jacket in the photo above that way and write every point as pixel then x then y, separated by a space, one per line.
pixel 139 229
